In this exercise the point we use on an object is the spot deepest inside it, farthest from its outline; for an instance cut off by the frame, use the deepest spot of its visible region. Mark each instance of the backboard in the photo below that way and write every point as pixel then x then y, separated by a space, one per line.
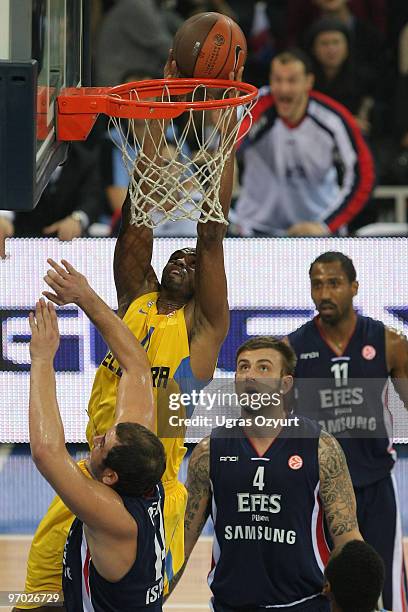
pixel 44 47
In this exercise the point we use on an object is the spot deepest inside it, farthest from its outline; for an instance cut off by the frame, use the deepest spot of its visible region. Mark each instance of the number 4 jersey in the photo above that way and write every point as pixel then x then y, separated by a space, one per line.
pixel 269 547
pixel 141 588
pixel 347 394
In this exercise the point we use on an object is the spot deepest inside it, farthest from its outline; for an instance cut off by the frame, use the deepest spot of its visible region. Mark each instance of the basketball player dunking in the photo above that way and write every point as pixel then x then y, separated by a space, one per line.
pixel 114 555
pixel 268 490
pixel 181 322
pixel 344 363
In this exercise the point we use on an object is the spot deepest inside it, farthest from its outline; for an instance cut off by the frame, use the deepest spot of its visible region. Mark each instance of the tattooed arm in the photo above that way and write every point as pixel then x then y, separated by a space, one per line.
pixel 336 492
pixel 198 502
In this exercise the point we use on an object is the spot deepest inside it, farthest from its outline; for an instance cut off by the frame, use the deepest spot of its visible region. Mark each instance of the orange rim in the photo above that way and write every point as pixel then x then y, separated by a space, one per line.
pixel 78 108
pixel 179 87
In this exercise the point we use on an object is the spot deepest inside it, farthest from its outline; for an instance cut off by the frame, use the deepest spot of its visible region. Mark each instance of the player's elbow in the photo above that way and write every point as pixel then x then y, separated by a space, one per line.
pixel 136 362
pixel 43 455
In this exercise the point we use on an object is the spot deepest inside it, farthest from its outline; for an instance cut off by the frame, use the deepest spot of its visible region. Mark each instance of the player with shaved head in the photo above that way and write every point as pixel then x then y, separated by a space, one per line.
pixel 345 361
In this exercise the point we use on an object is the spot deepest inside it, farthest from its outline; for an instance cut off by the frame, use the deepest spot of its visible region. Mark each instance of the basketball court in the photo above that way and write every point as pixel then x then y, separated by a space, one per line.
pixel 41 109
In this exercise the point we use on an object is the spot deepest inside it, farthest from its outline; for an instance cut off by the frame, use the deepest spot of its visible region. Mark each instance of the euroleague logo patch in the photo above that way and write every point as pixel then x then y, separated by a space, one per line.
pixel 368 352
pixel 219 40
pixel 295 462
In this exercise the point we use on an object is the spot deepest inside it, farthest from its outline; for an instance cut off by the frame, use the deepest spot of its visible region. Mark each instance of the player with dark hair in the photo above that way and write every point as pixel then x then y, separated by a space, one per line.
pixel 181 322
pixel 344 363
pixel 268 489
pixel 354 578
pixel 114 554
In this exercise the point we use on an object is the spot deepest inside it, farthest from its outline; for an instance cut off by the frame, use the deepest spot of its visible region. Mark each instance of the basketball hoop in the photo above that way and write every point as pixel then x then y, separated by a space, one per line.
pixel 167 182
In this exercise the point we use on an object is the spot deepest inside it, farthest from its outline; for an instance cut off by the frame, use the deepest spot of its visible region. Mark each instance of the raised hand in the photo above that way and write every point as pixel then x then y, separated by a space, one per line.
pixel 69 285
pixel 44 332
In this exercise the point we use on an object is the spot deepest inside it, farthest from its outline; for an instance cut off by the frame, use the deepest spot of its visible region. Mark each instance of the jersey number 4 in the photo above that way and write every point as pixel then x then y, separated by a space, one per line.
pixel 259 478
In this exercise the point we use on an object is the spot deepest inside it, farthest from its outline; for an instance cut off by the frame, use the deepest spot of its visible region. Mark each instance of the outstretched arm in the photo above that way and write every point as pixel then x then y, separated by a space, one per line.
pixel 135 402
pixel 198 502
pixel 336 492
pixel 132 269
pixel 93 502
pixel 211 312
pixel 396 346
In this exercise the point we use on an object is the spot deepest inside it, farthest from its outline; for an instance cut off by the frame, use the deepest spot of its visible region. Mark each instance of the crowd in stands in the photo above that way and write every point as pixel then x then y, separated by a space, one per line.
pixel 309 170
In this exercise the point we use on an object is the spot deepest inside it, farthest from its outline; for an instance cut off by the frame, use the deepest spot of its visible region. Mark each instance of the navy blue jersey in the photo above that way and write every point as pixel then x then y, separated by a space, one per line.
pixel 346 394
pixel 141 589
pixel 269 546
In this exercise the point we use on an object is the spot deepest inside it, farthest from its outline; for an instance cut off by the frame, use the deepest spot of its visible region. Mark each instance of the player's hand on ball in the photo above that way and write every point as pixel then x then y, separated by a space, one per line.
pixel 44 332
pixel 69 285
pixel 170 70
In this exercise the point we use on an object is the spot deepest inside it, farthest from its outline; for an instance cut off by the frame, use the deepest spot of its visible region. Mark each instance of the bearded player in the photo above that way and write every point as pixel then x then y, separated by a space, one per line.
pixel 344 362
pixel 181 322
pixel 268 488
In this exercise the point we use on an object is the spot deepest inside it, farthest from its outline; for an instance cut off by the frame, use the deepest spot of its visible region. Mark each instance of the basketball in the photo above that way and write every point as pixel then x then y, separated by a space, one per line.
pixel 209 46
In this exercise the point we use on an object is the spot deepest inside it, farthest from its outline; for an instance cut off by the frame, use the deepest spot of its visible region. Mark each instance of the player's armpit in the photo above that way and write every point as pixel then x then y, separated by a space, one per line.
pixel 336 491
pixel 396 346
pixel 132 269
pixel 198 501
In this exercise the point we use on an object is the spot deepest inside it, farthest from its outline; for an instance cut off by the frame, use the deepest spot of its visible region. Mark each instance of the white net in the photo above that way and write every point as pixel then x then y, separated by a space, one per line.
pixel 175 166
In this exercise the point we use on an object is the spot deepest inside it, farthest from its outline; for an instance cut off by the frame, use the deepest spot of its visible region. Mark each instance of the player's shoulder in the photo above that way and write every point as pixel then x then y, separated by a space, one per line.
pixel 298 334
pixel 370 325
pixel 394 336
pixel 331 116
pixel 330 105
pixel 303 427
pixel 328 445
pixel 199 464
pixel 201 449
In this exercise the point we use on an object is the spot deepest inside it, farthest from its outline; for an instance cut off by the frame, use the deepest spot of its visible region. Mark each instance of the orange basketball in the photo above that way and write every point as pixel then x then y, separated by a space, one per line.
pixel 209 46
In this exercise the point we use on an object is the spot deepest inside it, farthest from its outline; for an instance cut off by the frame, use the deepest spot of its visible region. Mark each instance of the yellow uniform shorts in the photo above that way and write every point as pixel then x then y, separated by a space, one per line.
pixel 44 566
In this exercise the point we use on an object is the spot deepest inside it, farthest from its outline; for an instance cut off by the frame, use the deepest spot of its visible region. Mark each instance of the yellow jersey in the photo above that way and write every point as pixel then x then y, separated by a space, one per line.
pixel 165 340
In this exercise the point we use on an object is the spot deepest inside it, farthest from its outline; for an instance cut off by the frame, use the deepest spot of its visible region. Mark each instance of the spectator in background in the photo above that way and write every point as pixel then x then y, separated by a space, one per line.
pixel 302 13
pixel 72 200
pixel 401 163
pixel 134 32
pixel 365 40
pixel 307 169
pixel 187 8
pixel 337 74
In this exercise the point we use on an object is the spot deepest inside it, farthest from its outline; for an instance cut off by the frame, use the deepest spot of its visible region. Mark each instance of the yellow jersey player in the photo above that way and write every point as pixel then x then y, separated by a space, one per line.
pixel 182 322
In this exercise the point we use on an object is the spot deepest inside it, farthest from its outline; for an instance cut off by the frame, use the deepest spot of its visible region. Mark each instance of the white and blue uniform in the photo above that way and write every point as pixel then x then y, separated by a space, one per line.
pixel 318 170
pixel 141 588
pixel 347 394
pixel 269 547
